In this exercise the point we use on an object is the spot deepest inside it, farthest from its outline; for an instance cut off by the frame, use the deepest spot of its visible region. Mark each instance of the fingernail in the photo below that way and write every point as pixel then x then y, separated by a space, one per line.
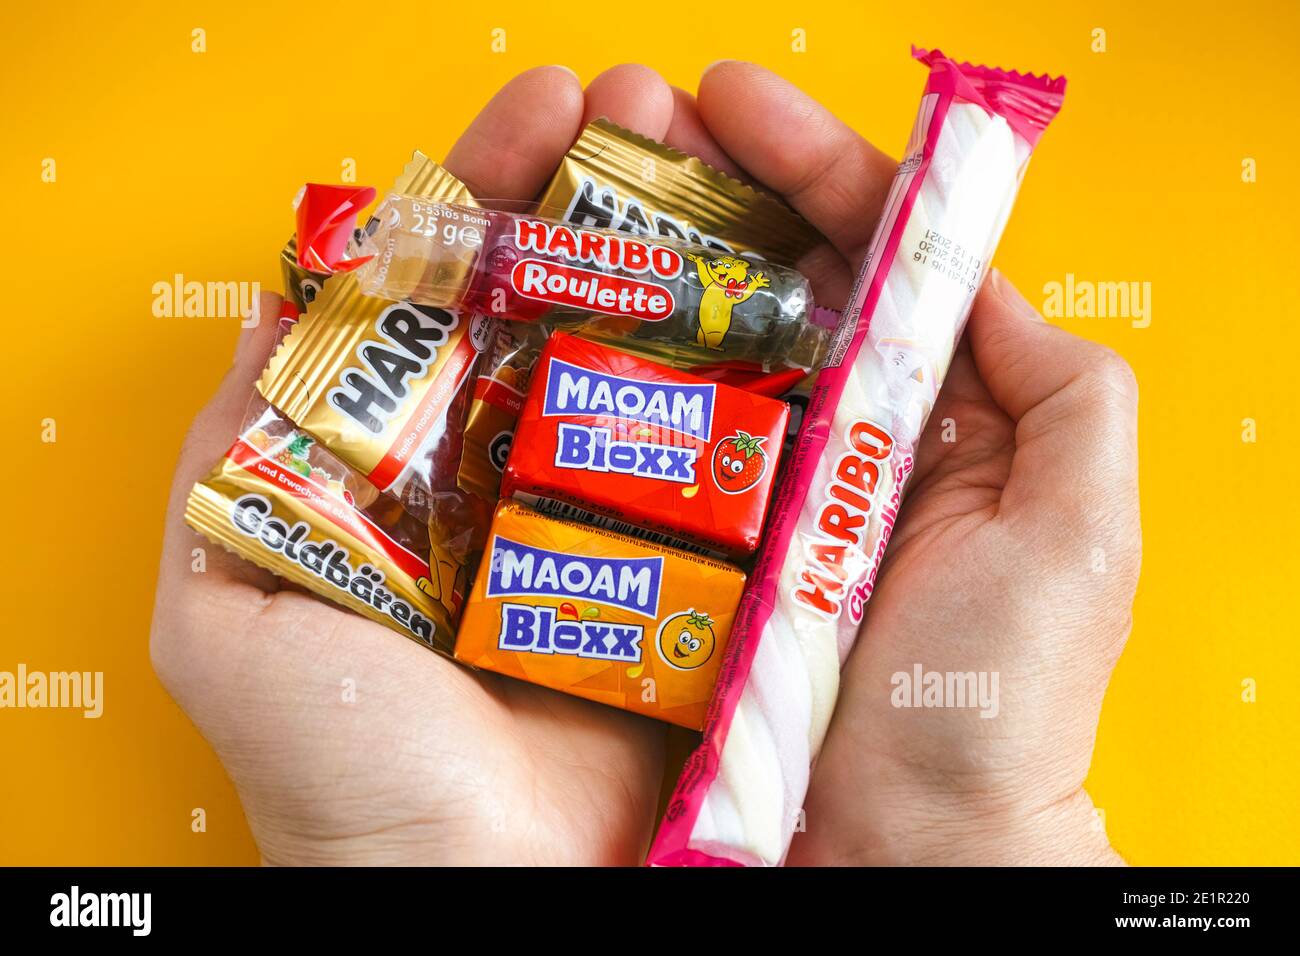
pixel 716 63
pixel 561 66
pixel 1011 296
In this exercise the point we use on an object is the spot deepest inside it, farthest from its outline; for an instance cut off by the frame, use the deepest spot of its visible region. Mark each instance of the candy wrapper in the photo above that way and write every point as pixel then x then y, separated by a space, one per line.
pixel 378 383
pixel 281 501
pixel 526 268
pixel 497 399
pixel 302 283
pixel 738 798
pixel 384 385
pixel 600 615
pixel 640 447
pixel 612 178
pixel 506 370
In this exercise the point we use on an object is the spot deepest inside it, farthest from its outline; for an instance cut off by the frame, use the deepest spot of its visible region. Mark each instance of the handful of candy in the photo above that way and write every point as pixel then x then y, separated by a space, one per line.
pixel 402 411
pixel 546 442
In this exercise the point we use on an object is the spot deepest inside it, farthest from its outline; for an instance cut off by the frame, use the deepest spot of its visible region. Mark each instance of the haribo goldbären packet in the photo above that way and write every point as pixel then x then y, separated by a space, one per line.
pixel 280 500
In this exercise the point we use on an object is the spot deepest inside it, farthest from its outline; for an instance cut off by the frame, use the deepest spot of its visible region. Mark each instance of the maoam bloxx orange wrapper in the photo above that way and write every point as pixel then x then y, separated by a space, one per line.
pixel 600 615
pixel 688 460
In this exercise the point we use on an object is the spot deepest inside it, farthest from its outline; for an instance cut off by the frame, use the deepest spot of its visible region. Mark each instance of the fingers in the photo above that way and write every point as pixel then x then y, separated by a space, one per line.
pixel 1027 363
pixel 512 147
pixel 216 425
pixel 963 408
pixel 633 96
pixel 794 146
pixel 1075 407
pixel 637 98
pixel 688 133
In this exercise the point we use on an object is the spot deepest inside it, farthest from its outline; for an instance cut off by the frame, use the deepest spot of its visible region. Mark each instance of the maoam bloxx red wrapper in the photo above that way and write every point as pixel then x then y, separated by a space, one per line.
pixel 646 448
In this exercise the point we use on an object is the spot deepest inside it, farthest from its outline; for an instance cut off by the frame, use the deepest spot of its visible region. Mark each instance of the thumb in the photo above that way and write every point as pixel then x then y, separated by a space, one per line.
pixel 217 424
pixel 1074 403
pixel 213 431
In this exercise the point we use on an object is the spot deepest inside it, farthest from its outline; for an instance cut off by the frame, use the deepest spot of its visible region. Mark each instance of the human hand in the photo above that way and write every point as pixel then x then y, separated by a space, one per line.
pixel 431 763
pixel 442 765
pixel 1016 556
pixel 1016 553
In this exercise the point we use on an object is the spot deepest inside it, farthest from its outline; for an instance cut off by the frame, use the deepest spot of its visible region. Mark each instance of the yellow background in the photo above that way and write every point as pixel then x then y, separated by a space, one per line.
pixel 170 161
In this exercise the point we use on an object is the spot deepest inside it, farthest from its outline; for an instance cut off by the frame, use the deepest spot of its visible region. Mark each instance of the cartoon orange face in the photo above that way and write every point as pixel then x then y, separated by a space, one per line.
pixel 686 640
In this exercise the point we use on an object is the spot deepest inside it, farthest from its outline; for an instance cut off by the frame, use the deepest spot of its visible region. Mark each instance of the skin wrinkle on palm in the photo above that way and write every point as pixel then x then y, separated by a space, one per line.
pixel 460 767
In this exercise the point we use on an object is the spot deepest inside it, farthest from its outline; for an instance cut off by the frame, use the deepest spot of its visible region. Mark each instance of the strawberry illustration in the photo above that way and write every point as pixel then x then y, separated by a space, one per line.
pixel 739 462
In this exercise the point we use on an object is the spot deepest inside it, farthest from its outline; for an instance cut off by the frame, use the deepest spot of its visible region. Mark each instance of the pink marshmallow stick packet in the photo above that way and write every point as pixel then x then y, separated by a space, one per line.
pixel 739 797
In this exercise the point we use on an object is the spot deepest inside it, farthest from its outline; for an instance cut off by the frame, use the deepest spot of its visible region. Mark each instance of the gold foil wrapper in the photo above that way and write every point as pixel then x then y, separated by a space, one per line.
pixel 301 285
pixel 369 377
pixel 288 507
pixel 384 386
pixel 421 176
pixel 616 179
